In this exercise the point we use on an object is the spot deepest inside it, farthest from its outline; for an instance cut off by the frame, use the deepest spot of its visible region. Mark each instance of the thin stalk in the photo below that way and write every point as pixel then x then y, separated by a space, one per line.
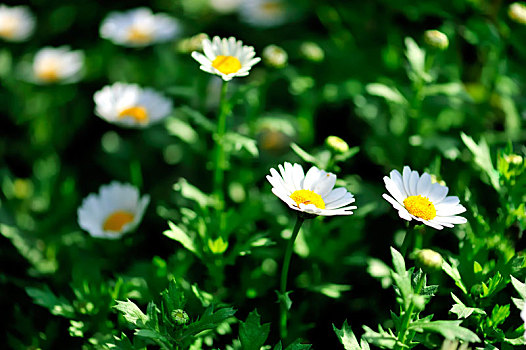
pixel 408 314
pixel 284 276
pixel 219 138
pixel 408 239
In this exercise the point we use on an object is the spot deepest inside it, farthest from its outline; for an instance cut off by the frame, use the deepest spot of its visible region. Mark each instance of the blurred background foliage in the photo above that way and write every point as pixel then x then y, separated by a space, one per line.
pixel 358 70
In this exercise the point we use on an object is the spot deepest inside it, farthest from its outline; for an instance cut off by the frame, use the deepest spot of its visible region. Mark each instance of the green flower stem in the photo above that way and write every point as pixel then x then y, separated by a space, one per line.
pixel 408 314
pixel 219 138
pixel 284 275
pixel 408 238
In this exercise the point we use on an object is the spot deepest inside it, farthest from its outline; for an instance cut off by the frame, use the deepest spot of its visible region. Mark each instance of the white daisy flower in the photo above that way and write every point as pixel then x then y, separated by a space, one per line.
pixel 53 65
pixel 263 13
pixel 138 27
pixel 117 209
pixel 417 197
pixel 311 193
pixel 16 23
pixel 131 106
pixel 227 58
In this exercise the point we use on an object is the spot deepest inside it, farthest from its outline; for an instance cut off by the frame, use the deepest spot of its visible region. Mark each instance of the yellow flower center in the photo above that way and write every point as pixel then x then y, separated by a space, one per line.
pixel 272 8
pixel 307 197
pixel 139 113
pixel 8 27
pixel 226 64
pixel 421 207
pixel 117 220
pixel 49 74
pixel 139 36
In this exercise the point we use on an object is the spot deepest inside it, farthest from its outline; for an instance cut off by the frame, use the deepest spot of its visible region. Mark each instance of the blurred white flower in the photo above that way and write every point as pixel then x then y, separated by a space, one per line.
pixel 16 23
pixel 416 197
pixel 517 12
pixel 138 27
pixel 131 106
pixel 117 209
pixel 312 193
pixel 54 65
pixel 225 6
pixel 263 13
pixel 227 58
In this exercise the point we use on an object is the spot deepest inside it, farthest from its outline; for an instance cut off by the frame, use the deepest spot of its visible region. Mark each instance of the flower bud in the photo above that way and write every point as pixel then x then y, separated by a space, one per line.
pixel 180 316
pixel 275 56
pixel 513 159
pixel 312 51
pixel 217 246
pixel 517 12
pixel 428 259
pixel 193 43
pixel 336 144
pixel 436 39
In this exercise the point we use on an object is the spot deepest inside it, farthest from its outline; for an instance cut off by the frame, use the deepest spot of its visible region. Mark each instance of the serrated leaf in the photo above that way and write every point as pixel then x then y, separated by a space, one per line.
pixel 253 334
pixel 348 339
pixel 391 94
pixel 297 345
pixel 131 312
pixel 519 287
pixel 58 306
pixel 208 320
pixel 463 311
pixel 448 329
pixel 499 314
pixel 180 236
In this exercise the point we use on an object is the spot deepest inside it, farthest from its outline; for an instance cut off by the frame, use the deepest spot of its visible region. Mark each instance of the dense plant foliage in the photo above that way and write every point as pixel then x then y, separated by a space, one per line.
pixel 162 188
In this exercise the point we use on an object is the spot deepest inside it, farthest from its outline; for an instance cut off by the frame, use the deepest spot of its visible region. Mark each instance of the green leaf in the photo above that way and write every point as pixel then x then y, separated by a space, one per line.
pixel 331 290
pixel 348 339
pixel 253 334
pixel 297 345
pixel 463 311
pixel 284 298
pixel 303 154
pixel 519 287
pixel 452 271
pixel 499 314
pixel 482 158
pixel 182 130
pixel 379 270
pixel 448 329
pixel 237 142
pixel 180 236
pixel 131 312
pixel 449 89
pixel 151 334
pixel 208 320
pixel 381 338
pixel 58 306
pixel 416 58
pixel 191 192
pixel 398 261
pixel 198 118
pixel 391 94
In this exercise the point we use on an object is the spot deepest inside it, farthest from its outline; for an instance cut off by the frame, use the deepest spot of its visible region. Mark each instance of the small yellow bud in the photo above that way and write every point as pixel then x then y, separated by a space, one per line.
pixel 517 12
pixel 336 144
pixel 436 39
pixel 275 56
pixel 312 51
pixel 217 246
pixel 428 259
pixel 180 316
